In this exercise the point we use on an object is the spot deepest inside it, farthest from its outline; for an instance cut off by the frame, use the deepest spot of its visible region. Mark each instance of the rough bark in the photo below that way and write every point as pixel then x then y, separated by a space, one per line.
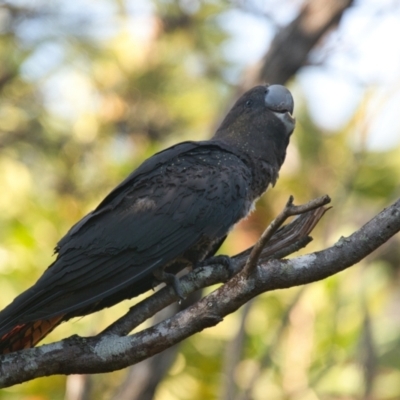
pixel 288 52
pixel 110 351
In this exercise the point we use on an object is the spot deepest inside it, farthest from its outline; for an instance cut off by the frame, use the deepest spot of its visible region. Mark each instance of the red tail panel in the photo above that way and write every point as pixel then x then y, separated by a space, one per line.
pixel 27 335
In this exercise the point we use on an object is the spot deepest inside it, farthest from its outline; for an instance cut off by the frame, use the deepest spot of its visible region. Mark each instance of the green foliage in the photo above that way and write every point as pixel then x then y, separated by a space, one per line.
pixel 76 118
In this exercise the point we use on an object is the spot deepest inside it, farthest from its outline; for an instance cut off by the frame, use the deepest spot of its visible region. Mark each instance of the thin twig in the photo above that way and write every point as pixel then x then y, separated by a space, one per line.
pixel 105 353
pixel 287 212
pixel 285 241
pixel 287 236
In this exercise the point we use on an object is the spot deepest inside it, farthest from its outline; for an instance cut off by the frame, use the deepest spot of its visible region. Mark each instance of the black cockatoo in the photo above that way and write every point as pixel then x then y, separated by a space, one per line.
pixel 173 211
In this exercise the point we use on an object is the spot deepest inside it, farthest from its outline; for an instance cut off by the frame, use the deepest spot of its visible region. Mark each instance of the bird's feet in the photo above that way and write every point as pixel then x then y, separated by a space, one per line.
pixel 170 279
pixel 226 261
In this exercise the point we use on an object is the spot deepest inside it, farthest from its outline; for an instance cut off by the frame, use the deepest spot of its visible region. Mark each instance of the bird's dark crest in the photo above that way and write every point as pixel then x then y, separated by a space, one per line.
pixel 174 211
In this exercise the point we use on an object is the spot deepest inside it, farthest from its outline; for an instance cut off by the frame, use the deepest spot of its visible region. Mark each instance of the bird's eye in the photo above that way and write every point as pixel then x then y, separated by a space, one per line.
pixel 249 103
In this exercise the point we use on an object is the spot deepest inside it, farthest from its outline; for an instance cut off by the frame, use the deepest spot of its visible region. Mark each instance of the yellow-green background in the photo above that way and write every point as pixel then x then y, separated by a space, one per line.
pixel 132 94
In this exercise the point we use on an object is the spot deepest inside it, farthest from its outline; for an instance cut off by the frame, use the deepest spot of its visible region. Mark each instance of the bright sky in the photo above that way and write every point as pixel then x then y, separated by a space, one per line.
pixel 363 55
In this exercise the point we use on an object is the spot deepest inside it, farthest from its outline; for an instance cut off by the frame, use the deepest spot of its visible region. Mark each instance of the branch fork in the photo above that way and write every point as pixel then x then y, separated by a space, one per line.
pixel 115 349
pixel 289 211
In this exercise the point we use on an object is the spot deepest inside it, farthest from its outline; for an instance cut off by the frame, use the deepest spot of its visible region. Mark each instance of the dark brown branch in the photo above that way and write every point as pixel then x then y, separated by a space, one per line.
pixel 289 210
pixel 290 49
pixel 286 241
pixel 108 352
pixel 291 46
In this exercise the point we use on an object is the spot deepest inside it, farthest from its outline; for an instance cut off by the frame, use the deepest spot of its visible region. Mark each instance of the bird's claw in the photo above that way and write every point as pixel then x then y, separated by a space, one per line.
pixel 171 279
pixel 226 261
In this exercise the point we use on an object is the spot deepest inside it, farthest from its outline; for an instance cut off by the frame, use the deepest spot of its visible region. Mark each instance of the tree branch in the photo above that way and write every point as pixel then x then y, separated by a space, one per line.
pixel 109 351
pixel 291 46
pixel 289 210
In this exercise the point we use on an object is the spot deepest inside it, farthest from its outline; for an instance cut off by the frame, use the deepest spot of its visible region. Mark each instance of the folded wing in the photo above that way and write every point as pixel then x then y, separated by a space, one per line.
pixel 182 202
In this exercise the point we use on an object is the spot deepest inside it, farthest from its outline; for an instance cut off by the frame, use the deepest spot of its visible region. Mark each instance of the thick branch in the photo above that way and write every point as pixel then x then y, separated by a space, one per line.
pixel 109 352
pixel 290 49
pixel 291 46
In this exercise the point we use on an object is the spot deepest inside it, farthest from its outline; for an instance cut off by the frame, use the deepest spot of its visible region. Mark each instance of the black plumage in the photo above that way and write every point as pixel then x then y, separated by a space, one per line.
pixel 173 211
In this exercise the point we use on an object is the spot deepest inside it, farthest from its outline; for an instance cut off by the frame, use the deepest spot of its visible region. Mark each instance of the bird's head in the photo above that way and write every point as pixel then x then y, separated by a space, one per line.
pixel 260 123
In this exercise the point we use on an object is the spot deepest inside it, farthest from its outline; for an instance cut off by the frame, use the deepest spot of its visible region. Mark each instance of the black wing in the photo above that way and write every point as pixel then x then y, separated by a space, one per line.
pixel 150 220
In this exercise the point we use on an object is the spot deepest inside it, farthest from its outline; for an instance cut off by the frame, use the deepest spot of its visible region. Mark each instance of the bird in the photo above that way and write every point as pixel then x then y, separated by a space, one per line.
pixel 174 211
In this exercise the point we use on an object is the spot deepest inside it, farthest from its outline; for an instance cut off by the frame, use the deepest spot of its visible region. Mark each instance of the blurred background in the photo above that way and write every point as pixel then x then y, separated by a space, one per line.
pixel 89 89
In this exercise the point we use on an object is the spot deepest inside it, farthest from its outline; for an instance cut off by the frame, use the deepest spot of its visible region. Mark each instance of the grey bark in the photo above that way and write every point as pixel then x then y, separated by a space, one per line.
pixel 288 52
pixel 109 351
